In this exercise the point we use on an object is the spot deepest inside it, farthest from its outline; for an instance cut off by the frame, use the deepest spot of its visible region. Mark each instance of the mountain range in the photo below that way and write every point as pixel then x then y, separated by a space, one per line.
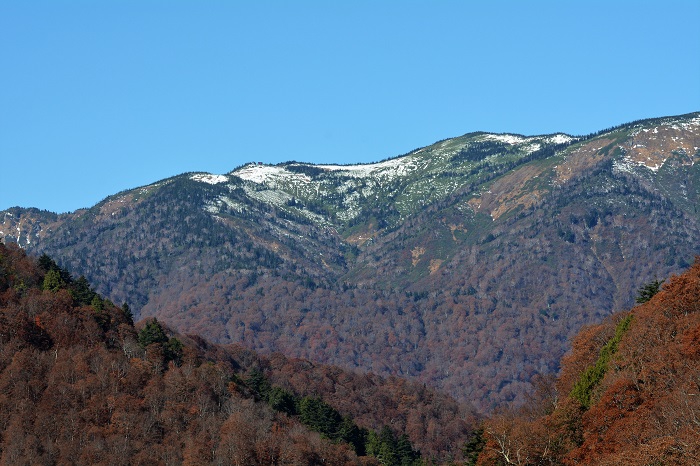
pixel 467 265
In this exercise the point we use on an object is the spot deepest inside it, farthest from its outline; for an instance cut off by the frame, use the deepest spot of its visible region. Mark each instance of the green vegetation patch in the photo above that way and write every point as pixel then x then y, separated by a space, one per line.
pixel 319 416
pixel 592 376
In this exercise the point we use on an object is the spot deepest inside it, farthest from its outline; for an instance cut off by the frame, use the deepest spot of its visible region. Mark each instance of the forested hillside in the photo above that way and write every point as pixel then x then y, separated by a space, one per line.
pixel 628 393
pixel 467 265
pixel 79 384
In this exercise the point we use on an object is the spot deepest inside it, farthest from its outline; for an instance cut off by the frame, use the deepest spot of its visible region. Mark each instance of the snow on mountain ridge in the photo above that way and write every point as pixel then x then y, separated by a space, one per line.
pixel 269 174
pixel 277 175
pixel 513 139
pixel 273 175
pixel 209 178
pixel 560 138
pixel 390 169
pixel 507 138
pixel 651 147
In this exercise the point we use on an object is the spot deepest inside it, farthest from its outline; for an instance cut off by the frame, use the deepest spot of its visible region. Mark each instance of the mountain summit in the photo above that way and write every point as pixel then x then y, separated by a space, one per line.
pixel 467 264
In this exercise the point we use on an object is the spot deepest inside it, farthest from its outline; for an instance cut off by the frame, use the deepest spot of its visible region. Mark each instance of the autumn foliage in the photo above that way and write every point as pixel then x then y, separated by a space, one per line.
pixel 643 408
pixel 79 384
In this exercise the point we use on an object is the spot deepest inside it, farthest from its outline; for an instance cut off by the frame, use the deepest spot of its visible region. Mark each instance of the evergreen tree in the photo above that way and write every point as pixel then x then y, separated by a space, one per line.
pixel 152 332
pixel 404 451
pixel 373 444
pixel 473 447
pixel 281 400
pixel 53 281
pixel 259 384
pixel 173 351
pixel 350 433
pixel 646 292
pixel 46 263
pixel 388 454
pixel 97 303
pixel 320 416
pixel 128 314
pixel 81 291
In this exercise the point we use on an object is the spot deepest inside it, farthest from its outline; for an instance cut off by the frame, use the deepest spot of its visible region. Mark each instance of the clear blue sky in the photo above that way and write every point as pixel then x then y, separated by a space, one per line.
pixel 101 96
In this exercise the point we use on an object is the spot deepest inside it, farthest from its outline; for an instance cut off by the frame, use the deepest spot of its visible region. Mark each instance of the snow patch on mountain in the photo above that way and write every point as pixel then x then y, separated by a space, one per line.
pixel 393 168
pixel 533 148
pixel 513 139
pixel 268 196
pixel 209 178
pixel 688 125
pixel 624 165
pixel 281 199
pixel 507 138
pixel 627 164
pixel 216 205
pixel 270 175
pixel 352 207
pixel 560 138
pixel 691 125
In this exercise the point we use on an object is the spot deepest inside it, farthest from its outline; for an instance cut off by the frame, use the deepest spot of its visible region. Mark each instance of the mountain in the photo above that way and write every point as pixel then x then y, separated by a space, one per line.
pixel 627 393
pixel 467 265
pixel 79 384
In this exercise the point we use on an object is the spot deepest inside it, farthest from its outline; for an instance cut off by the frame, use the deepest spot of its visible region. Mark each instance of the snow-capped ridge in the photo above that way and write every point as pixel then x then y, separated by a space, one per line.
pixel 560 138
pixel 507 138
pixel 273 174
pixel 209 178
pixel 269 174
pixel 393 167
pixel 513 139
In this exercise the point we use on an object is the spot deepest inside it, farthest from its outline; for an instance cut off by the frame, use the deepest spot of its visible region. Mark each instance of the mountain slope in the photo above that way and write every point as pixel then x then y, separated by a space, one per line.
pixel 440 265
pixel 79 384
pixel 627 394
